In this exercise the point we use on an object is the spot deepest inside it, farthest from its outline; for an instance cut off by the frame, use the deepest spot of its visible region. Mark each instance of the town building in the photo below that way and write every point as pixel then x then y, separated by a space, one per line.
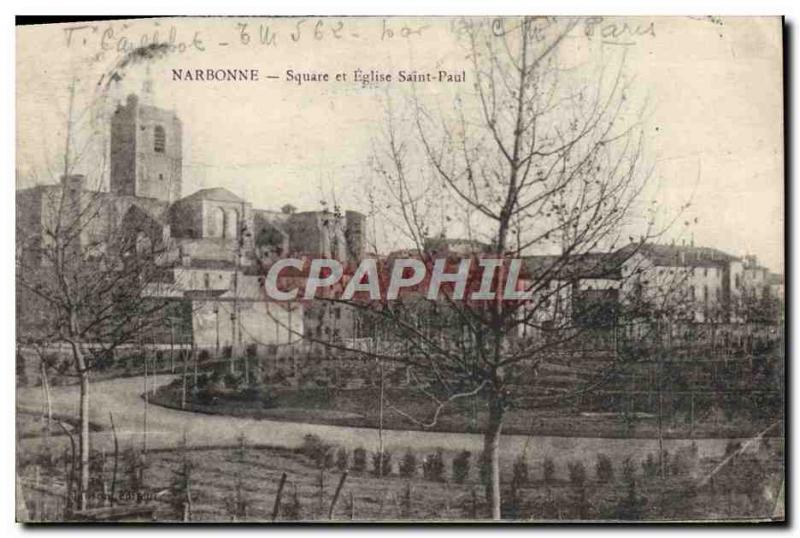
pixel 683 282
pixel 215 243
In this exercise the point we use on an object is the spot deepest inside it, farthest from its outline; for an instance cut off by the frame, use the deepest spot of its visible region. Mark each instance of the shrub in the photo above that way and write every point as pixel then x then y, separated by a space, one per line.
pixel 650 466
pixel 682 462
pixel 520 472
pixel 408 465
pixel 433 466
pixel 359 459
pixel 577 473
pixel 312 445
pixel 603 469
pixel 320 453
pixel 461 466
pixel 232 381
pixel 382 463
pixel 203 381
pixel 342 459
pixel 732 447
pixel 549 470
pixel 631 506
pixel 257 392
pixel 666 458
pixel 628 470
pixel 577 477
pixel 326 460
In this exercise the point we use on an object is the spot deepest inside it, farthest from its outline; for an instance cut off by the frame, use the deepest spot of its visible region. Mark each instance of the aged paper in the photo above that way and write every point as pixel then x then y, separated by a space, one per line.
pixel 370 269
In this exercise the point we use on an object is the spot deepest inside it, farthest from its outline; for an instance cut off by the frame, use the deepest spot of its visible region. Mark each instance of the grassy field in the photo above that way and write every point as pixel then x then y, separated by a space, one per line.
pixel 746 487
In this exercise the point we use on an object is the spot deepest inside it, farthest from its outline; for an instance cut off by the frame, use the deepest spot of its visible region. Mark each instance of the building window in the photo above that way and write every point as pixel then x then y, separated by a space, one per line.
pixel 216 226
pixel 159 139
pixel 230 223
pixel 207 280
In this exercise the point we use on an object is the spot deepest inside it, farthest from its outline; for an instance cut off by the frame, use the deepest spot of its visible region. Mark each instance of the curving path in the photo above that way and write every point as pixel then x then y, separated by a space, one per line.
pixel 165 429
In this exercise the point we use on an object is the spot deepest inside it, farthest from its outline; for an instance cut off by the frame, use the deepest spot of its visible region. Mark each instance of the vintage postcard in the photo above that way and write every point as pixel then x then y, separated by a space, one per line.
pixel 382 269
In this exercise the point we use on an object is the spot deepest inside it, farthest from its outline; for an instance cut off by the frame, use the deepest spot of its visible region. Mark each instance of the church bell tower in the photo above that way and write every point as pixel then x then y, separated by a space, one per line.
pixel 146 154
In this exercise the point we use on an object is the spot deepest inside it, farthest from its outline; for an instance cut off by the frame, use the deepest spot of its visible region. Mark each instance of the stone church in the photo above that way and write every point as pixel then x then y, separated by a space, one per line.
pixel 214 237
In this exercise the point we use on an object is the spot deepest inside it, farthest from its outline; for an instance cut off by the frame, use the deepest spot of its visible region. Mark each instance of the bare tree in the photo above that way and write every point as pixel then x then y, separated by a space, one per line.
pixel 88 277
pixel 540 161
pixel 543 162
pixel 542 158
pixel 92 296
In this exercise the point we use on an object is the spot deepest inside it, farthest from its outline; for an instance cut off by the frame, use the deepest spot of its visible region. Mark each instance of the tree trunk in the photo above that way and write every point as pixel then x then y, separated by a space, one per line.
pixel 48 409
pixel 48 402
pixel 84 417
pixel 380 421
pixel 116 459
pixel 491 450
pixel 183 384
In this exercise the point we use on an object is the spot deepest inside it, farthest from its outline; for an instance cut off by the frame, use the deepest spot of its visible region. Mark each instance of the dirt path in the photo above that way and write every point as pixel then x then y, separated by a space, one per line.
pixel 165 429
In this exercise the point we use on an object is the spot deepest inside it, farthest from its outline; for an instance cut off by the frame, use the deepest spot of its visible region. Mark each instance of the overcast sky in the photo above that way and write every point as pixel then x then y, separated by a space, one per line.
pixel 714 88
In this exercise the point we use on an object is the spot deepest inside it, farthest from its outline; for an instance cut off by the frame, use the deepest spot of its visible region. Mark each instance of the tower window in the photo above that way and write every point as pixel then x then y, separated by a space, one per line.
pixel 159 139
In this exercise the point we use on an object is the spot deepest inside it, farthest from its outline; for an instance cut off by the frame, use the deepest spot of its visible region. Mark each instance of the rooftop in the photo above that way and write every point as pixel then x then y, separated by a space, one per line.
pixel 217 194
pixel 679 255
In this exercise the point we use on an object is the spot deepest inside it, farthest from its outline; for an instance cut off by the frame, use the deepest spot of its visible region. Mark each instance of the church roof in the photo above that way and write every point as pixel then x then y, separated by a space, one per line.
pixel 155 209
pixel 217 194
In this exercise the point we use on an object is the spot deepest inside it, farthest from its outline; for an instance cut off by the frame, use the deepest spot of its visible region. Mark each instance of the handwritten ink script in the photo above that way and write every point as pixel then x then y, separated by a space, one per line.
pixel 119 38
pixel 614 31
pixel 122 38
pixel 617 32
